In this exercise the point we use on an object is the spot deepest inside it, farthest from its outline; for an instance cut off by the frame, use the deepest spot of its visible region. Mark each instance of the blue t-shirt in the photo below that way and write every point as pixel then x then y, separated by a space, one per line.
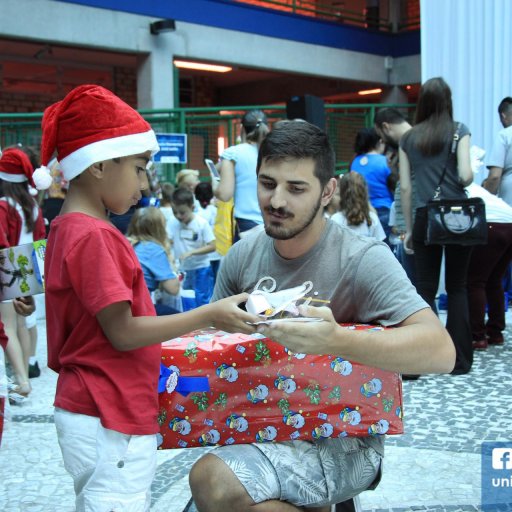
pixel 375 170
pixel 155 264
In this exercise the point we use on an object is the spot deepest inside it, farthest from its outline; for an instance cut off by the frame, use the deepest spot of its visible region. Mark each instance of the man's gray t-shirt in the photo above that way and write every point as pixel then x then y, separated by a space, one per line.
pixel 361 278
pixel 501 156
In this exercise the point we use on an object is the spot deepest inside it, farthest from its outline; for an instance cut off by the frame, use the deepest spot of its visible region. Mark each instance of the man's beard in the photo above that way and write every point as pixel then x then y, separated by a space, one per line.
pixel 282 233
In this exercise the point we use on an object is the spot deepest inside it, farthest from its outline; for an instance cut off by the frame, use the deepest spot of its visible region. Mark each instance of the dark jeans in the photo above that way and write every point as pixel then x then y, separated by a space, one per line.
pixel 383 214
pixel 428 267
pixel 485 282
pixel 241 226
pixel 215 264
pixel 407 262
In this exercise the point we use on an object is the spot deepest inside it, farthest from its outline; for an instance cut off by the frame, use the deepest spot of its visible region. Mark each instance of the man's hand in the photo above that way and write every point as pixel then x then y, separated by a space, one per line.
pixel 303 337
pixel 24 305
pixel 227 316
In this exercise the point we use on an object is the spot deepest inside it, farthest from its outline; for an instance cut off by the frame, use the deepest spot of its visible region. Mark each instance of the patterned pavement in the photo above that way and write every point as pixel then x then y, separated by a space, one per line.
pixel 434 466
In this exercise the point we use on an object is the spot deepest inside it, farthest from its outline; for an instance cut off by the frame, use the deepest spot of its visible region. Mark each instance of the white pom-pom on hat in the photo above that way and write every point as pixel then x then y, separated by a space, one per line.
pixel 42 178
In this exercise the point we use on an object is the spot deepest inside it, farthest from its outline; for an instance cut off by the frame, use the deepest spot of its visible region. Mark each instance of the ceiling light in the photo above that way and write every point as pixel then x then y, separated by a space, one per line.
pixel 202 66
pixel 369 91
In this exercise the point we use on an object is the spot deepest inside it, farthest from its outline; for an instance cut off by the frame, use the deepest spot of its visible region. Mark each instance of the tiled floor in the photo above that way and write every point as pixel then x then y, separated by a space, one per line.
pixel 435 466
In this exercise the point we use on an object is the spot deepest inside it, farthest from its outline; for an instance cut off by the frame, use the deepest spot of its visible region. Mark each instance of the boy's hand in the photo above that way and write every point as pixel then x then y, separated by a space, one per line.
pixel 24 305
pixel 227 316
pixel 303 337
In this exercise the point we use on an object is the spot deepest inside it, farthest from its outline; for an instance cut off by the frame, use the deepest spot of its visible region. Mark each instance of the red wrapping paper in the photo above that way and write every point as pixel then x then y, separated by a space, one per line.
pixel 260 392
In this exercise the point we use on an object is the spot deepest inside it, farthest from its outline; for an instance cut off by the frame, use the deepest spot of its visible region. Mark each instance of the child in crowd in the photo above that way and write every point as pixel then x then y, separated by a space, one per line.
pixel 193 240
pixel 103 337
pixel 208 210
pixel 148 236
pixel 189 179
pixel 165 203
pixel 355 211
pixel 21 222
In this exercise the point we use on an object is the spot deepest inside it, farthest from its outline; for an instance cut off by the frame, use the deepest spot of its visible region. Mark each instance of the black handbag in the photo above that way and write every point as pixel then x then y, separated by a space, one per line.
pixel 455 221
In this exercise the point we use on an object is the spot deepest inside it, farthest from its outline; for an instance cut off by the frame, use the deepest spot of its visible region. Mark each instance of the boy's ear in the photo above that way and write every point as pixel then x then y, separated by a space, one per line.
pixel 96 170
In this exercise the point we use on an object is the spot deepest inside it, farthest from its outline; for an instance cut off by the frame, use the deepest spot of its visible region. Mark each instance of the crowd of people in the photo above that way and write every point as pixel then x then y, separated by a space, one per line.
pixel 359 237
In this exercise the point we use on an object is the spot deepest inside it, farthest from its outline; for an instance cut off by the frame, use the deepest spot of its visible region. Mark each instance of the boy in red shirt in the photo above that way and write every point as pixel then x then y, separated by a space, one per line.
pixel 103 337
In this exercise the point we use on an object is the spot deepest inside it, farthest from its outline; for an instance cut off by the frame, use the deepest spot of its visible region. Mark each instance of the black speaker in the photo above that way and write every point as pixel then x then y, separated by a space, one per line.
pixel 307 107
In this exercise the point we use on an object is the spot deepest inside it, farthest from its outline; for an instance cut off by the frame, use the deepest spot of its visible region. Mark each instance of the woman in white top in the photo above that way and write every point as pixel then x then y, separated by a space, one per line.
pixel 487 268
pixel 355 212
pixel 238 172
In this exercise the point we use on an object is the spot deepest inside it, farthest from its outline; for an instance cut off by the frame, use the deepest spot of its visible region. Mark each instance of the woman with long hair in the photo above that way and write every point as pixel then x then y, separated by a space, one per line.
pixel 355 212
pixel 147 233
pixel 21 221
pixel 424 153
pixel 238 172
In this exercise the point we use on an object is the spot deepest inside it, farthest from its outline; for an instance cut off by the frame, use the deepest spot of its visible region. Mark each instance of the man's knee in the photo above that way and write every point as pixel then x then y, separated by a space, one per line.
pixel 215 487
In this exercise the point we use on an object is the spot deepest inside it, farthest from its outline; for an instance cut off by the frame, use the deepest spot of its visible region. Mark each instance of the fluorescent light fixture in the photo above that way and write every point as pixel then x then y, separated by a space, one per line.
pixel 202 66
pixel 369 91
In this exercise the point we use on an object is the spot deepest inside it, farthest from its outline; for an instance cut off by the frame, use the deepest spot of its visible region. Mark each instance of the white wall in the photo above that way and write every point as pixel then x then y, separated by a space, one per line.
pixel 469 44
pixel 63 23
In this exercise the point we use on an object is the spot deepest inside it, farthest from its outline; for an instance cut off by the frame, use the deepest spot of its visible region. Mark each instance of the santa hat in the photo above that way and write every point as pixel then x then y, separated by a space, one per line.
pixel 15 166
pixel 90 125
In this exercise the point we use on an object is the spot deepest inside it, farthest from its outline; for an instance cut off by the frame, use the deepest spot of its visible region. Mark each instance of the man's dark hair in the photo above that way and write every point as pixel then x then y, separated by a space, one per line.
pixel 388 115
pixel 183 196
pixel 298 140
pixel 505 105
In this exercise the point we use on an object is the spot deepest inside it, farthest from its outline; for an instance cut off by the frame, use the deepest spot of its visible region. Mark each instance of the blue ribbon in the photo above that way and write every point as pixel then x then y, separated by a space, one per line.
pixel 185 385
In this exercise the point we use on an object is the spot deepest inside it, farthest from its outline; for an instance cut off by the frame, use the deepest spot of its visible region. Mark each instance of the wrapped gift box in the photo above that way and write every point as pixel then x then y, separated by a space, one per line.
pixel 22 270
pixel 220 388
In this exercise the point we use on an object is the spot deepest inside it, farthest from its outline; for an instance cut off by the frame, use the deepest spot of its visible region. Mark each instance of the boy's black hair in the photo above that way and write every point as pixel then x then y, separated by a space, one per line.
pixel 182 196
pixel 298 140
pixel 505 105
pixel 204 193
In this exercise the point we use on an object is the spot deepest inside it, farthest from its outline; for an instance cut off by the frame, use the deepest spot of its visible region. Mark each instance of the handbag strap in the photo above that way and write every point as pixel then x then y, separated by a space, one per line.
pixel 453 147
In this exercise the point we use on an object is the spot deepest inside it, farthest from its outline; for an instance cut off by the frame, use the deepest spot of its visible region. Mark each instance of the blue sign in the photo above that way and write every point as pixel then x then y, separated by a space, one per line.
pixel 173 148
pixel 496 476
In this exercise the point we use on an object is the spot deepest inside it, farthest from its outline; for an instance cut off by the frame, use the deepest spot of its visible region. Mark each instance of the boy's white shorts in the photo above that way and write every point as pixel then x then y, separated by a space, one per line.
pixel 110 470
pixel 31 320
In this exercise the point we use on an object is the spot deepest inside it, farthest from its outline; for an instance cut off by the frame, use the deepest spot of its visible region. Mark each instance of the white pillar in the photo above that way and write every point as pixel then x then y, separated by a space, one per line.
pixel 469 44
pixel 155 86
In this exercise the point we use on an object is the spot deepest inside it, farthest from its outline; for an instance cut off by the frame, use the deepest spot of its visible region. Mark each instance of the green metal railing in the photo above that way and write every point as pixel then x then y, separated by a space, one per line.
pixel 207 127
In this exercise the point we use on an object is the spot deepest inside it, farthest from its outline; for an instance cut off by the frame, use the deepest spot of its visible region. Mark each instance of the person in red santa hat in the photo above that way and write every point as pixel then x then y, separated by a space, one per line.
pixel 22 222
pixel 103 336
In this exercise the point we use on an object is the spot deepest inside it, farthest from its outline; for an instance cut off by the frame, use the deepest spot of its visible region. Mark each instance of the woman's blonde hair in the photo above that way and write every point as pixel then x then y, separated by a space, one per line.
pixel 148 225
pixel 185 173
pixel 354 201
